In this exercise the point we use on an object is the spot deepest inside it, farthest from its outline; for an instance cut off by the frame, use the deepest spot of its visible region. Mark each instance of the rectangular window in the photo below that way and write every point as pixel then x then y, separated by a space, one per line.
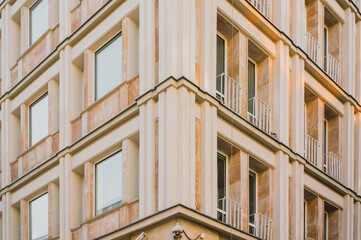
pixel 38 120
pixel 221 56
pixel 38 218
pixel 108 183
pixel 38 20
pixel 304 220
pixel 325 144
pixel 325 226
pixel 108 67
pixel 221 182
pixel 252 193
pixel 251 85
pixel 325 45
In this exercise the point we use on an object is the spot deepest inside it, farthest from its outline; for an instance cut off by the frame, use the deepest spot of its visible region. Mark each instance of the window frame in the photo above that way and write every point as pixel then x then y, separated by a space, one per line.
pixel 225 156
pixel 30 143
pixel 325 47
pixel 255 79
pixel 29 214
pixel 31 8
pixel 325 143
pixel 256 189
pixel 114 205
pixel 304 219
pixel 325 225
pixel 220 35
pixel 110 41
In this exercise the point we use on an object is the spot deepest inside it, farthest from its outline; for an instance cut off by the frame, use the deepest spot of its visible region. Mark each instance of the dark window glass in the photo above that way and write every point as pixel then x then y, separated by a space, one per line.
pixel 220 64
pixel 252 193
pixel 251 85
pixel 221 181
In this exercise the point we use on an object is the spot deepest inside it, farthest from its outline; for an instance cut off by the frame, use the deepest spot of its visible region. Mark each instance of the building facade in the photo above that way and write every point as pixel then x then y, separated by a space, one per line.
pixel 135 119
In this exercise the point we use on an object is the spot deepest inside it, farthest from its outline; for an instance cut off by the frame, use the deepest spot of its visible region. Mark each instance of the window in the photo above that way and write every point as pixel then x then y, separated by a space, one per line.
pixel 325 45
pixel 38 218
pixel 38 120
pixel 108 67
pixel 252 201
pixel 251 85
pixel 325 143
pixel 221 183
pixel 108 185
pixel 38 20
pixel 221 56
pixel 325 227
pixel 304 220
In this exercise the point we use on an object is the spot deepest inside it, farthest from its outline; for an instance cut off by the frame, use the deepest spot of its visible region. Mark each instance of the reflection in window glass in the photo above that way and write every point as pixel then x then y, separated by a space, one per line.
pixel 38 120
pixel 108 67
pixel 251 85
pixel 252 193
pixel 38 20
pixel 108 175
pixel 221 182
pixel 38 216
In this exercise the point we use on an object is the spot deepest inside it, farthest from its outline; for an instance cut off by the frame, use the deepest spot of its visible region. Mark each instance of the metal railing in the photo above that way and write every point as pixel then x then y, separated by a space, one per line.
pixel 312 47
pixel 308 238
pixel 260 226
pixel 228 91
pixel 312 150
pixel 333 166
pixel 230 212
pixel 259 114
pixel 263 6
pixel 333 68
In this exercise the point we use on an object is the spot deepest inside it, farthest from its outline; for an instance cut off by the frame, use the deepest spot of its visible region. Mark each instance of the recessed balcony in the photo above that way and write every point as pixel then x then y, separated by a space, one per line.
pixel 229 92
pixel 230 212
pixel 259 114
pixel 333 166
pixel 263 6
pixel 333 68
pixel 312 150
pixel 312 47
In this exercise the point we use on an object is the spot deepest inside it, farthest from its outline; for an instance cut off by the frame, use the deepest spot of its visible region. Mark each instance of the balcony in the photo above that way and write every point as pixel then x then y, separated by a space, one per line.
pixel 333 68
pixel 230 212
pixel 263 6
pixel 228 91
pixel 333 166
pixel 308 238
pixel 312 150
pixel 260 226
pixel 259 114
pixel 312 47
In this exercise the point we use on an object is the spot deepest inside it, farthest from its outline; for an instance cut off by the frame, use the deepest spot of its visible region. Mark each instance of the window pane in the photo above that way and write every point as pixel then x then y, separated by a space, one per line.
pixel 221 183
pixel 38 20
pixel 220 63
pixel 251 85
pixel 109 67
pixel 39 218
pixel 39 120
pixel 252 193
pixel 109 182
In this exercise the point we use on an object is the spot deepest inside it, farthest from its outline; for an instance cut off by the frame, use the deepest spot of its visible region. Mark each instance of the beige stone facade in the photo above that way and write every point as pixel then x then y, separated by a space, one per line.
pixel 282 117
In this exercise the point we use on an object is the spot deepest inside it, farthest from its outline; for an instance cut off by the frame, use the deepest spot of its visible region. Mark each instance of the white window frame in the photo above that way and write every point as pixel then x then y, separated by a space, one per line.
pixel 226 168
pixel 114 205
pixel 325 225
pixel 225 51
pixel 32 7
pixel 255 76
pixel 110 41
pixel 30 143
pixel 325 48
pixel 29 213
pixel 256 187
pixel 325 142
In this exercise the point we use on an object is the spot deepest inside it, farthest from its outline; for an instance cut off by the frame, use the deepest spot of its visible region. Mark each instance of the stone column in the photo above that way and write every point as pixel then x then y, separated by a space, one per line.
pixel 177 147
pixel 244 189
pixel 347 142
pixel 357 221
pixel 281 198
pixel 88 206
pixel 296 201
pixel 358 62
pixel 146 45
pixel 53 205
pixel 24 219
pixel 357 146
pixel 147 144
pixel 348 52
pixel 281 17
pixel 347 218
pixel 280 91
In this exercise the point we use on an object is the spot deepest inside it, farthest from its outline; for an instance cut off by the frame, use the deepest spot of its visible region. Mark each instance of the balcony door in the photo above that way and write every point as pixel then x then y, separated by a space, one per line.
pixel 325 144
pixel 221 186
pixel 221 67
pixel 251 85
pixel 325 46
pixel 252 201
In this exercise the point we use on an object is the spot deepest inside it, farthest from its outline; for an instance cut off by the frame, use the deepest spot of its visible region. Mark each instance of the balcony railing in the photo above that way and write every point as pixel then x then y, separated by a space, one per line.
pixel 230 212
pixel 229 92
pixel 259 114
pixel 312 47
pixel 333 166
pixel 309 238
pixel 263 6
pixel 312 150
pixel 260 226
pixel 333 68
